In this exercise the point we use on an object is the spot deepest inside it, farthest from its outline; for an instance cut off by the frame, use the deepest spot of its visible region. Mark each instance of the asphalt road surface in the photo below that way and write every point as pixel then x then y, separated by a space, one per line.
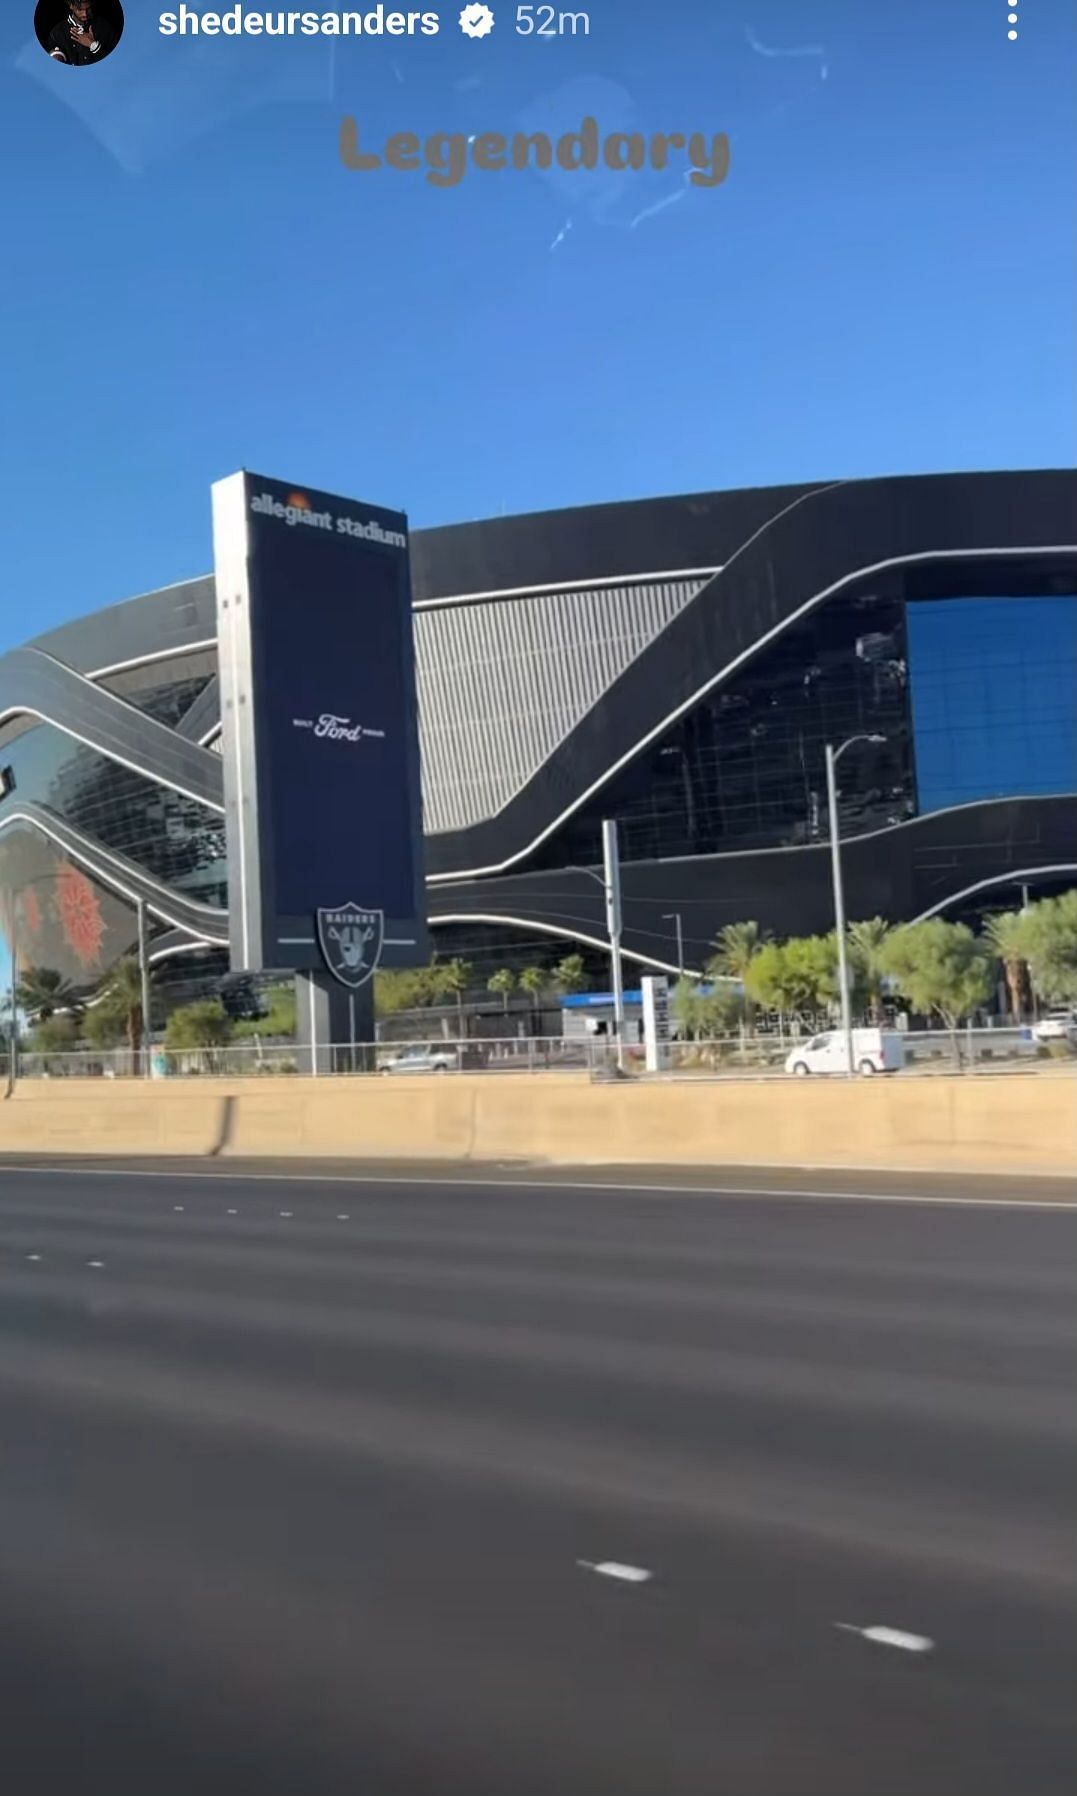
pixel 315 1486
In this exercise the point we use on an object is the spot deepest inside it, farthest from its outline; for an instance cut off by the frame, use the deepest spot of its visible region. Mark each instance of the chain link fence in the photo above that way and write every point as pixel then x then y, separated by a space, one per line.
pixel 752 1056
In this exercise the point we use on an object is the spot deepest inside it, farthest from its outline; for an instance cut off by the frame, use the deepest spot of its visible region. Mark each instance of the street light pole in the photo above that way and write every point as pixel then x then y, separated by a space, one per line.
pixel 833 755
pixel 13 1021
pixel 839 909
pixel 674 917
pixel 611 868
pixel 144 971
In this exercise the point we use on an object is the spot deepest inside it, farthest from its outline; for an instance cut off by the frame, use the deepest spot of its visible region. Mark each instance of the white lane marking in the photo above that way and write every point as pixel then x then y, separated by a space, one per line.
pixel 178 1209
pixel 612 1568
pixel 567 1185
pixel 343 1218
pixel 97 1263
pixel 33 1256
pixel 233 1212
pixel 286 1212
pixel 909 1643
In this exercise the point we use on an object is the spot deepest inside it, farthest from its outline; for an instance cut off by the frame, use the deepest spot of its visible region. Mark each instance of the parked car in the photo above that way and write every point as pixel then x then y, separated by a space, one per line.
pixel 421 1060
pixel 874 1051
pixel 1057 1025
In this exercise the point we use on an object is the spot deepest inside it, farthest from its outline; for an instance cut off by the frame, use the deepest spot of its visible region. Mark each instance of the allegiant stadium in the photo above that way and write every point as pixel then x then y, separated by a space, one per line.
pixel 678 664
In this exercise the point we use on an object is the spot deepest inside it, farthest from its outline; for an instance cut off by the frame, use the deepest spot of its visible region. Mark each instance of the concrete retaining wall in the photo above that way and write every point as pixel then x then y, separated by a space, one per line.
pixel 1025 1124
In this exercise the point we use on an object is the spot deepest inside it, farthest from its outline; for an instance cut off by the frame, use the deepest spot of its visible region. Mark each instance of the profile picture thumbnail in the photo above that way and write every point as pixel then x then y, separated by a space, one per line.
pixel 78 32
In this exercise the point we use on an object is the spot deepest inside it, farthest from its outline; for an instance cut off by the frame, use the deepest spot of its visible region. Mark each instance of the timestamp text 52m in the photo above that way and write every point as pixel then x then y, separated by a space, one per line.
pixel 546 21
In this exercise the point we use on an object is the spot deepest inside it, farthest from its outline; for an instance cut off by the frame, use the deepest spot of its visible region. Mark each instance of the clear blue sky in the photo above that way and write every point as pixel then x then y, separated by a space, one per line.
pixel 193 282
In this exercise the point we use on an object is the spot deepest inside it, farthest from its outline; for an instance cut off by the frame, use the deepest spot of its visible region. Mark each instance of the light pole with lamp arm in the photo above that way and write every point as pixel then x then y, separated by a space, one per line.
pixel 144 985
pixel 833 756
pixel 610 881
pixel 13 1014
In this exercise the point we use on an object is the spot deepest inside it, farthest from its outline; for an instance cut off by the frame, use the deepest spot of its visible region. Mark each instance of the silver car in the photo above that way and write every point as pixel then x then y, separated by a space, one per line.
pixel 421 1060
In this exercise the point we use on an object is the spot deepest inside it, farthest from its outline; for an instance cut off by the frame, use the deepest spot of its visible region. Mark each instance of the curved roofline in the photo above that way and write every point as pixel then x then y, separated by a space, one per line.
pixel 579 545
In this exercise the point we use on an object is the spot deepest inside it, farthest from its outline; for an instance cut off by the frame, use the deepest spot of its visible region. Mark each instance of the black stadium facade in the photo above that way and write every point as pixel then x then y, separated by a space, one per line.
pixel 679 664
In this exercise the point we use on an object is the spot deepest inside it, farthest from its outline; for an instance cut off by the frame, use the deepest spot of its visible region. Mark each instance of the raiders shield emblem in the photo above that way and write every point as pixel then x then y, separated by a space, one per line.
pixel 351 941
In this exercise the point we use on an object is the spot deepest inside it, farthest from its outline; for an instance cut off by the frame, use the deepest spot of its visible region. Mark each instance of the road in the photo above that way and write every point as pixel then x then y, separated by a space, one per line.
pixel 306 1484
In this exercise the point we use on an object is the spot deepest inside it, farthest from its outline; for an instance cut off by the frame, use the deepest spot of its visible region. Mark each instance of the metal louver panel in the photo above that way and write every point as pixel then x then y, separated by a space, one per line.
pixel 503 681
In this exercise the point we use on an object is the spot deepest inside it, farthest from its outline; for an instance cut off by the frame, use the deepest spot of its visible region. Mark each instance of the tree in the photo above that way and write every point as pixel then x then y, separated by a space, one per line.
pixel 533 981
pixel 452 978
pixel 705 1015
pixel 42 991
pixel 941 969
pixel 103 1027
pixel 503 981
pixel 867 960
pixel 735 948
pixel 402 988
pixel 1052 947
pixel 1008 935
pixel 812 971
pixel 797 977
pixel 766 981
pixel 54 1035
pixel 204 1024
pixel 569 975
pixel 686 1009
pixel 121 992
pixel 278 1016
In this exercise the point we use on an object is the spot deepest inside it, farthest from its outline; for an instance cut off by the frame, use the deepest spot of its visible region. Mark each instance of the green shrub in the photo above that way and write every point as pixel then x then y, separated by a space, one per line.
pixel 54 1035
pixel 205 1024
pixel 104 1025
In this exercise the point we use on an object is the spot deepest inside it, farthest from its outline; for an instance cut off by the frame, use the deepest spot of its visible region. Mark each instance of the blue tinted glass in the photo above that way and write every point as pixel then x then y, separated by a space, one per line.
pixel 994 697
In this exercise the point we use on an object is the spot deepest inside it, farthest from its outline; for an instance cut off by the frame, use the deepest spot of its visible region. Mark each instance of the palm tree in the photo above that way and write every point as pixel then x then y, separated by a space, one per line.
pixel 122 992
pixel 533 981
pixel 503 981
pixel 867 951
pixel 42 991
pixel 1007 936
pixel 735 948
pixel 453 978
pixel 569 974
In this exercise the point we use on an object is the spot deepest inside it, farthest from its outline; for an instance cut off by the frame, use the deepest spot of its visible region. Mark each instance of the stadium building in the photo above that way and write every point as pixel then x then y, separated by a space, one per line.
pixel 678 664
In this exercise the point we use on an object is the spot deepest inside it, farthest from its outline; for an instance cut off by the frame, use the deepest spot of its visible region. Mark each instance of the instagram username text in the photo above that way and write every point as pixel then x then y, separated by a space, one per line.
pixel 445 155
pixel 237 21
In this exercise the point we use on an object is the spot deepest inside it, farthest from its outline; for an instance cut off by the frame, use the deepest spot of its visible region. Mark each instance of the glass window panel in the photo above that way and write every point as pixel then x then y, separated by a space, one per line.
pixel 55 913
pixel 173 837
pixel 994 697
pixel 746 768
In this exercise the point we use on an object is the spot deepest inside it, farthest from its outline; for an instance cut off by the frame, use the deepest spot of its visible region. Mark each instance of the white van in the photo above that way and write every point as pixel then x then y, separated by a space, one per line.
pixel 874 1051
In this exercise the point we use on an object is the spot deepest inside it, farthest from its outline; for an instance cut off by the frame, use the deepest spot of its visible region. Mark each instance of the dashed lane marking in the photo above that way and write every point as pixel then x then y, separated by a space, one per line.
pixel 612 1568
pixel 909 1643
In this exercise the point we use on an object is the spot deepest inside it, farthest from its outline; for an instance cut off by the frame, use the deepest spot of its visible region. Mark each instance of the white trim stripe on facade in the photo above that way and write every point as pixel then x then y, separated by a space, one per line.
pixel 723 673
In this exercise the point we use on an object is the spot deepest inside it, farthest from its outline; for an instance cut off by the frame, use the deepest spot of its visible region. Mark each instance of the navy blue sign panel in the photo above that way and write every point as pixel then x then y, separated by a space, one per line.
pixel 318 728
